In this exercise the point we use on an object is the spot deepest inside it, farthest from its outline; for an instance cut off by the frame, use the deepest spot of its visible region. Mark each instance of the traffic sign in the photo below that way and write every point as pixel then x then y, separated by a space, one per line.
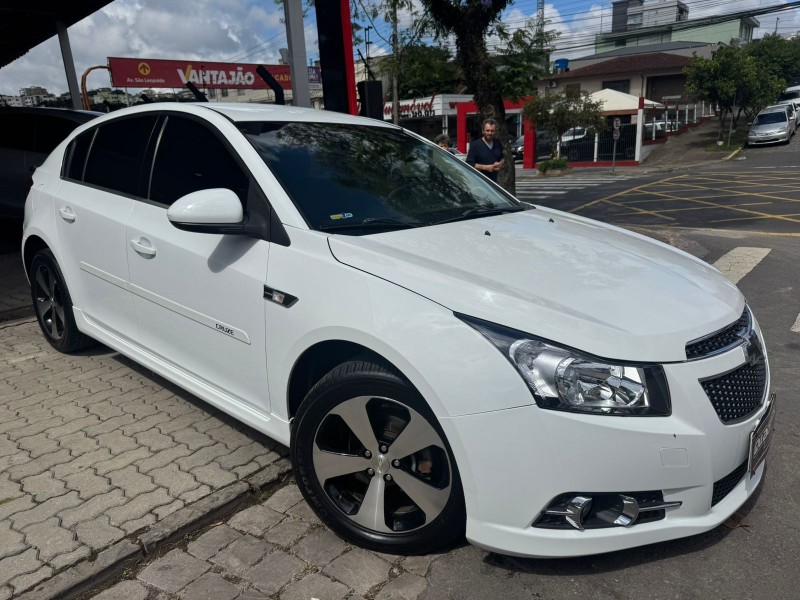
pixel 616 134
pixel 617 123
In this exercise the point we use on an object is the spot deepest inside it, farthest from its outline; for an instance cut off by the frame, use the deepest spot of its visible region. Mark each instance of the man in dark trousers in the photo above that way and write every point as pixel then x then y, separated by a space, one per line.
pixel 486 154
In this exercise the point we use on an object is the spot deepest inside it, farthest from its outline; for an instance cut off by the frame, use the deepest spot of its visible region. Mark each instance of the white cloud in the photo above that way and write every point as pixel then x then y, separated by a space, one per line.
pixel 214 30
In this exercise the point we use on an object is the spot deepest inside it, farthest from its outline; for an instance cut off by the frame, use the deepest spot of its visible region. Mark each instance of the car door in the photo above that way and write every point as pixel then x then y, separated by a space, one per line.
pixel 92 206
pixel 199 297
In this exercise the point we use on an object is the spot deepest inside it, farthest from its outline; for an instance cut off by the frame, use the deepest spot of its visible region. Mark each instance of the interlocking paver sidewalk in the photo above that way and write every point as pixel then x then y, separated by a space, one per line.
pixel 275 549
pixel 94 449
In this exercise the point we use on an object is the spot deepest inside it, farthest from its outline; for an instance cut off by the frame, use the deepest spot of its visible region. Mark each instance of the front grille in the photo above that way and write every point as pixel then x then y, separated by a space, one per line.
pixel 738 394
pixel 720 341
pixel 724 486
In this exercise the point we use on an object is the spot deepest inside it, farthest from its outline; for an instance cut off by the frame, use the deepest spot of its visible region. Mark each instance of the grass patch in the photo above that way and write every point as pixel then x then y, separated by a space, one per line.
pixel 738 140
pixel 554 164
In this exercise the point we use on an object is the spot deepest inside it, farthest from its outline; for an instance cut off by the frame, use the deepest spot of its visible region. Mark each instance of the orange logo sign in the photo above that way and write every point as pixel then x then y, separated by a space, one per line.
pixel 144 68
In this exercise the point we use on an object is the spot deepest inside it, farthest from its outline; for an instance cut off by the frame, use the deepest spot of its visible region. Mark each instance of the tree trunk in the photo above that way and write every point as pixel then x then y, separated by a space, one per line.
pixel 477 72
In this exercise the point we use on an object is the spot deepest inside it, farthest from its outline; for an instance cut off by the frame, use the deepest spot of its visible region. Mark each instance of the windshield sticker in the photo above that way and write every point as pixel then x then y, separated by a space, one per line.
pixel 341 216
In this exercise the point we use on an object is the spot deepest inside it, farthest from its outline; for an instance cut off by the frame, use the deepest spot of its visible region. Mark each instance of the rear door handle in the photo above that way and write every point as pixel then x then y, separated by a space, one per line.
pixel 67 214
pixel 143 248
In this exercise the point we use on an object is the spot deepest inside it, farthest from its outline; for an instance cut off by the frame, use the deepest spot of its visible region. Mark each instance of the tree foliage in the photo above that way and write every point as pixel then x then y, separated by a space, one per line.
pixel 557 113
pixel 423 70
pixel 735 81
pixel 469 22
pixel 525 59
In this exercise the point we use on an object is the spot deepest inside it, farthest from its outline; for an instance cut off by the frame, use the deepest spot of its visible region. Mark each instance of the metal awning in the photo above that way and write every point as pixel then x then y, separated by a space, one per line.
pixel 26 24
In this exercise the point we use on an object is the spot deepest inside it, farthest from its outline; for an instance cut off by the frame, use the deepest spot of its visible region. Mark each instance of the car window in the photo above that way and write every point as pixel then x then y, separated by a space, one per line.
pixel 338 175
pixel 51 131
pixel 189 158
pixel 771 117
pixel 117 153
pixel 76 155
pixel 16 131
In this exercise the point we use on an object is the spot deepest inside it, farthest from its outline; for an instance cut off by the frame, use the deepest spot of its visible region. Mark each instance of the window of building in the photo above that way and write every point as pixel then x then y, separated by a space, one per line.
pixel 620 85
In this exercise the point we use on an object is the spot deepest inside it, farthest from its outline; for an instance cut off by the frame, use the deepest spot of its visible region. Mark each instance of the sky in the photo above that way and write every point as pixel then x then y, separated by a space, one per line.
pixel 253 31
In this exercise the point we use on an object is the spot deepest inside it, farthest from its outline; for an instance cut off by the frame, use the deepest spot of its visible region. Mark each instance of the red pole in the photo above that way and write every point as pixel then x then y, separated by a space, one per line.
pixel 349 66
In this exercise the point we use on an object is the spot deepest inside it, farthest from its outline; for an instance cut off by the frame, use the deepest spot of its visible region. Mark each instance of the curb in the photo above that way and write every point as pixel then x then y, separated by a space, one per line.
pixel 112 562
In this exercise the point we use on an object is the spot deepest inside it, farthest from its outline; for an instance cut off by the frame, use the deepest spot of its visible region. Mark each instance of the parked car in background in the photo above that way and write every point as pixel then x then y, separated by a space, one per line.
pixel 440 360
pixel 772 125
pixel 27 136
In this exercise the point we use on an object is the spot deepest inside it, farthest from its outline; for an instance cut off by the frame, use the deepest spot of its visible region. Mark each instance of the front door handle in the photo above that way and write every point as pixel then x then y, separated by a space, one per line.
pixel 67 214
pixel 143 248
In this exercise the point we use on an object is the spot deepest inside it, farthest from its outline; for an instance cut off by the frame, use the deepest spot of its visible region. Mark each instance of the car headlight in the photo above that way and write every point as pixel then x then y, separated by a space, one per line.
pixel 561 378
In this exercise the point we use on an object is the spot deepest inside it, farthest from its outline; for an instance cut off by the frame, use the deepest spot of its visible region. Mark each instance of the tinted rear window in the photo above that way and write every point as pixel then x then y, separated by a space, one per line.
pixel 76 155
pixel 116 156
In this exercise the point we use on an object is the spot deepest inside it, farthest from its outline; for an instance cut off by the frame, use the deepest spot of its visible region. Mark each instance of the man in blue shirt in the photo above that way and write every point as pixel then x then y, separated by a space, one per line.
pixel 486 153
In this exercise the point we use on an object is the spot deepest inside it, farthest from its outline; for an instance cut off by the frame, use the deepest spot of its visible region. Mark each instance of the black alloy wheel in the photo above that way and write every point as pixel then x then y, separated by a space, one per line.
pixel 372 461
pixel 53 305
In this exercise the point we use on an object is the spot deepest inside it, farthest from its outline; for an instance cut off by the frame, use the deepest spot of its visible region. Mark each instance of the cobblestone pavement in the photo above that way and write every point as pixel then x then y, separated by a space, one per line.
pixel 94 448
pixel 15 296
pixel 276 549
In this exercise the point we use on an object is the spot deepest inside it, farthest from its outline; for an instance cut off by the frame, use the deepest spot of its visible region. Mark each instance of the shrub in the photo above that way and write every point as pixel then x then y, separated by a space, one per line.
pixel 553 164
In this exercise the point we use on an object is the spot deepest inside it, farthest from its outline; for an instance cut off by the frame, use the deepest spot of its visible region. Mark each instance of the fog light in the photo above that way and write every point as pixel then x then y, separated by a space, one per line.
pixel 594 511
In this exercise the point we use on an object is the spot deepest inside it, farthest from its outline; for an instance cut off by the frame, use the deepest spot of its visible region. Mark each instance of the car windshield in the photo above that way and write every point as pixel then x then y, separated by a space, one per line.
pixel 789 96
pixel 356 179
pixel 770 118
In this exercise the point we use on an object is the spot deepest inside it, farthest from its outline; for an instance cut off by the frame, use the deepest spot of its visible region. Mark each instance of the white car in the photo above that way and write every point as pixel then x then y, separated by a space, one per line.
pixel 440 361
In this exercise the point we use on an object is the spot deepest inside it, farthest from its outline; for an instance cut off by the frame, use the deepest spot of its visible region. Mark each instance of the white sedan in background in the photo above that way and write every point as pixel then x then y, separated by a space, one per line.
pixel 441 361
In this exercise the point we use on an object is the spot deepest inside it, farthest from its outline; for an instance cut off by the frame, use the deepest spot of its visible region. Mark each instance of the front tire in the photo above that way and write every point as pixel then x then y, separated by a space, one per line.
pixel 53 305
pixel 373 462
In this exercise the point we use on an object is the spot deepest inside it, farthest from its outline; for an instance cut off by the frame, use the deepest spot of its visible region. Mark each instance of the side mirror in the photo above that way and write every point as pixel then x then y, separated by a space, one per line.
pixel 216 210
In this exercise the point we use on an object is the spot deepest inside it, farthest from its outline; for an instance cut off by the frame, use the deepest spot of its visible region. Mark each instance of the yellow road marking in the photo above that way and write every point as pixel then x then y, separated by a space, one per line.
pixel 639 211
pixel 731 208
pixel 737 193
pixel 752 218
pixel 622 193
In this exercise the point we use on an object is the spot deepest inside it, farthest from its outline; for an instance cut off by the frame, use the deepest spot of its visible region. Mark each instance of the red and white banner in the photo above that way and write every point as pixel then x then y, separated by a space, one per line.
pixel 158 73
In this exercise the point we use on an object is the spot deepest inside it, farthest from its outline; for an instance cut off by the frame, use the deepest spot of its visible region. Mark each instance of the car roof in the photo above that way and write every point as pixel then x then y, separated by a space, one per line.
pixel 79 116
pixel 241 112
pixel 774 108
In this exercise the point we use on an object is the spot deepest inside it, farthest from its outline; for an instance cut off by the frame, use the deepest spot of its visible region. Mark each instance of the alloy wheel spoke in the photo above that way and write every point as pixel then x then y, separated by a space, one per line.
pixel 329 464
pixel 417 435
pixel 371 512
pixel 59 314
pixel 53 322
pixel 41 281
pixel 43 306
pixel 52 283
pixel 428 498
pixel 354 413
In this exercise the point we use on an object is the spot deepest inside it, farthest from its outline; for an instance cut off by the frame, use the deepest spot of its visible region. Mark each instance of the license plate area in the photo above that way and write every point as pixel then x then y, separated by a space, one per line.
pixel 760 438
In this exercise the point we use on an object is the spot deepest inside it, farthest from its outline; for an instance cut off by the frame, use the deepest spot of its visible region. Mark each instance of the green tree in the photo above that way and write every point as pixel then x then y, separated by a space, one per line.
pixel 399 40
pixel 469 22
pixel 557 113
pixel 735 81
pixel 525 59
pixel 423 70
pixel 776 54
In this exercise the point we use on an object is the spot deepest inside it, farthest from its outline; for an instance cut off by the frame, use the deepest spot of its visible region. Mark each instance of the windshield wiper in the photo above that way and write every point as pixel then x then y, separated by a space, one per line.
pixel 479 211
pixel 372 223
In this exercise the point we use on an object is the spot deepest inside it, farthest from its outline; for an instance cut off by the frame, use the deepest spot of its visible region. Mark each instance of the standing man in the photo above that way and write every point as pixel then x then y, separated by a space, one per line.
pixel 486 154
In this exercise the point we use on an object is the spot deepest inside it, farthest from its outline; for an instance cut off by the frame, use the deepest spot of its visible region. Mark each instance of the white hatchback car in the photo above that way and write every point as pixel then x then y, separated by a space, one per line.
pixel 440 360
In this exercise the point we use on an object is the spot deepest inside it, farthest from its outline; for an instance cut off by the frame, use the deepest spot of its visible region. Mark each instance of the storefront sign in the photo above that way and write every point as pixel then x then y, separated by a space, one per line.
pixel 158 73
pixel 412 109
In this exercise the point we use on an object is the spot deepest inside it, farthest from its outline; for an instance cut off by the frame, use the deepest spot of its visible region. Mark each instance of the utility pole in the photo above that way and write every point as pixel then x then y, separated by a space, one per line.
pixel 777 20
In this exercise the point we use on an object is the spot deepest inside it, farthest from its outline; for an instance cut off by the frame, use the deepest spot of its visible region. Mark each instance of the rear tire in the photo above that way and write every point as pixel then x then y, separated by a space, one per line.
pixel 373 462
pixel 53 305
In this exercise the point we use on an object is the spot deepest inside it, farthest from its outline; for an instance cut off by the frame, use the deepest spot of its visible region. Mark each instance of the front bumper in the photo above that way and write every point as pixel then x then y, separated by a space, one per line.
pixel 768 139
pixel 519 460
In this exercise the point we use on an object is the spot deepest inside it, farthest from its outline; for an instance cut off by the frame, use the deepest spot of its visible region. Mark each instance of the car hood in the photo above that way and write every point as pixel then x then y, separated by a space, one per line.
pixel 769 127
pixel 567 279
